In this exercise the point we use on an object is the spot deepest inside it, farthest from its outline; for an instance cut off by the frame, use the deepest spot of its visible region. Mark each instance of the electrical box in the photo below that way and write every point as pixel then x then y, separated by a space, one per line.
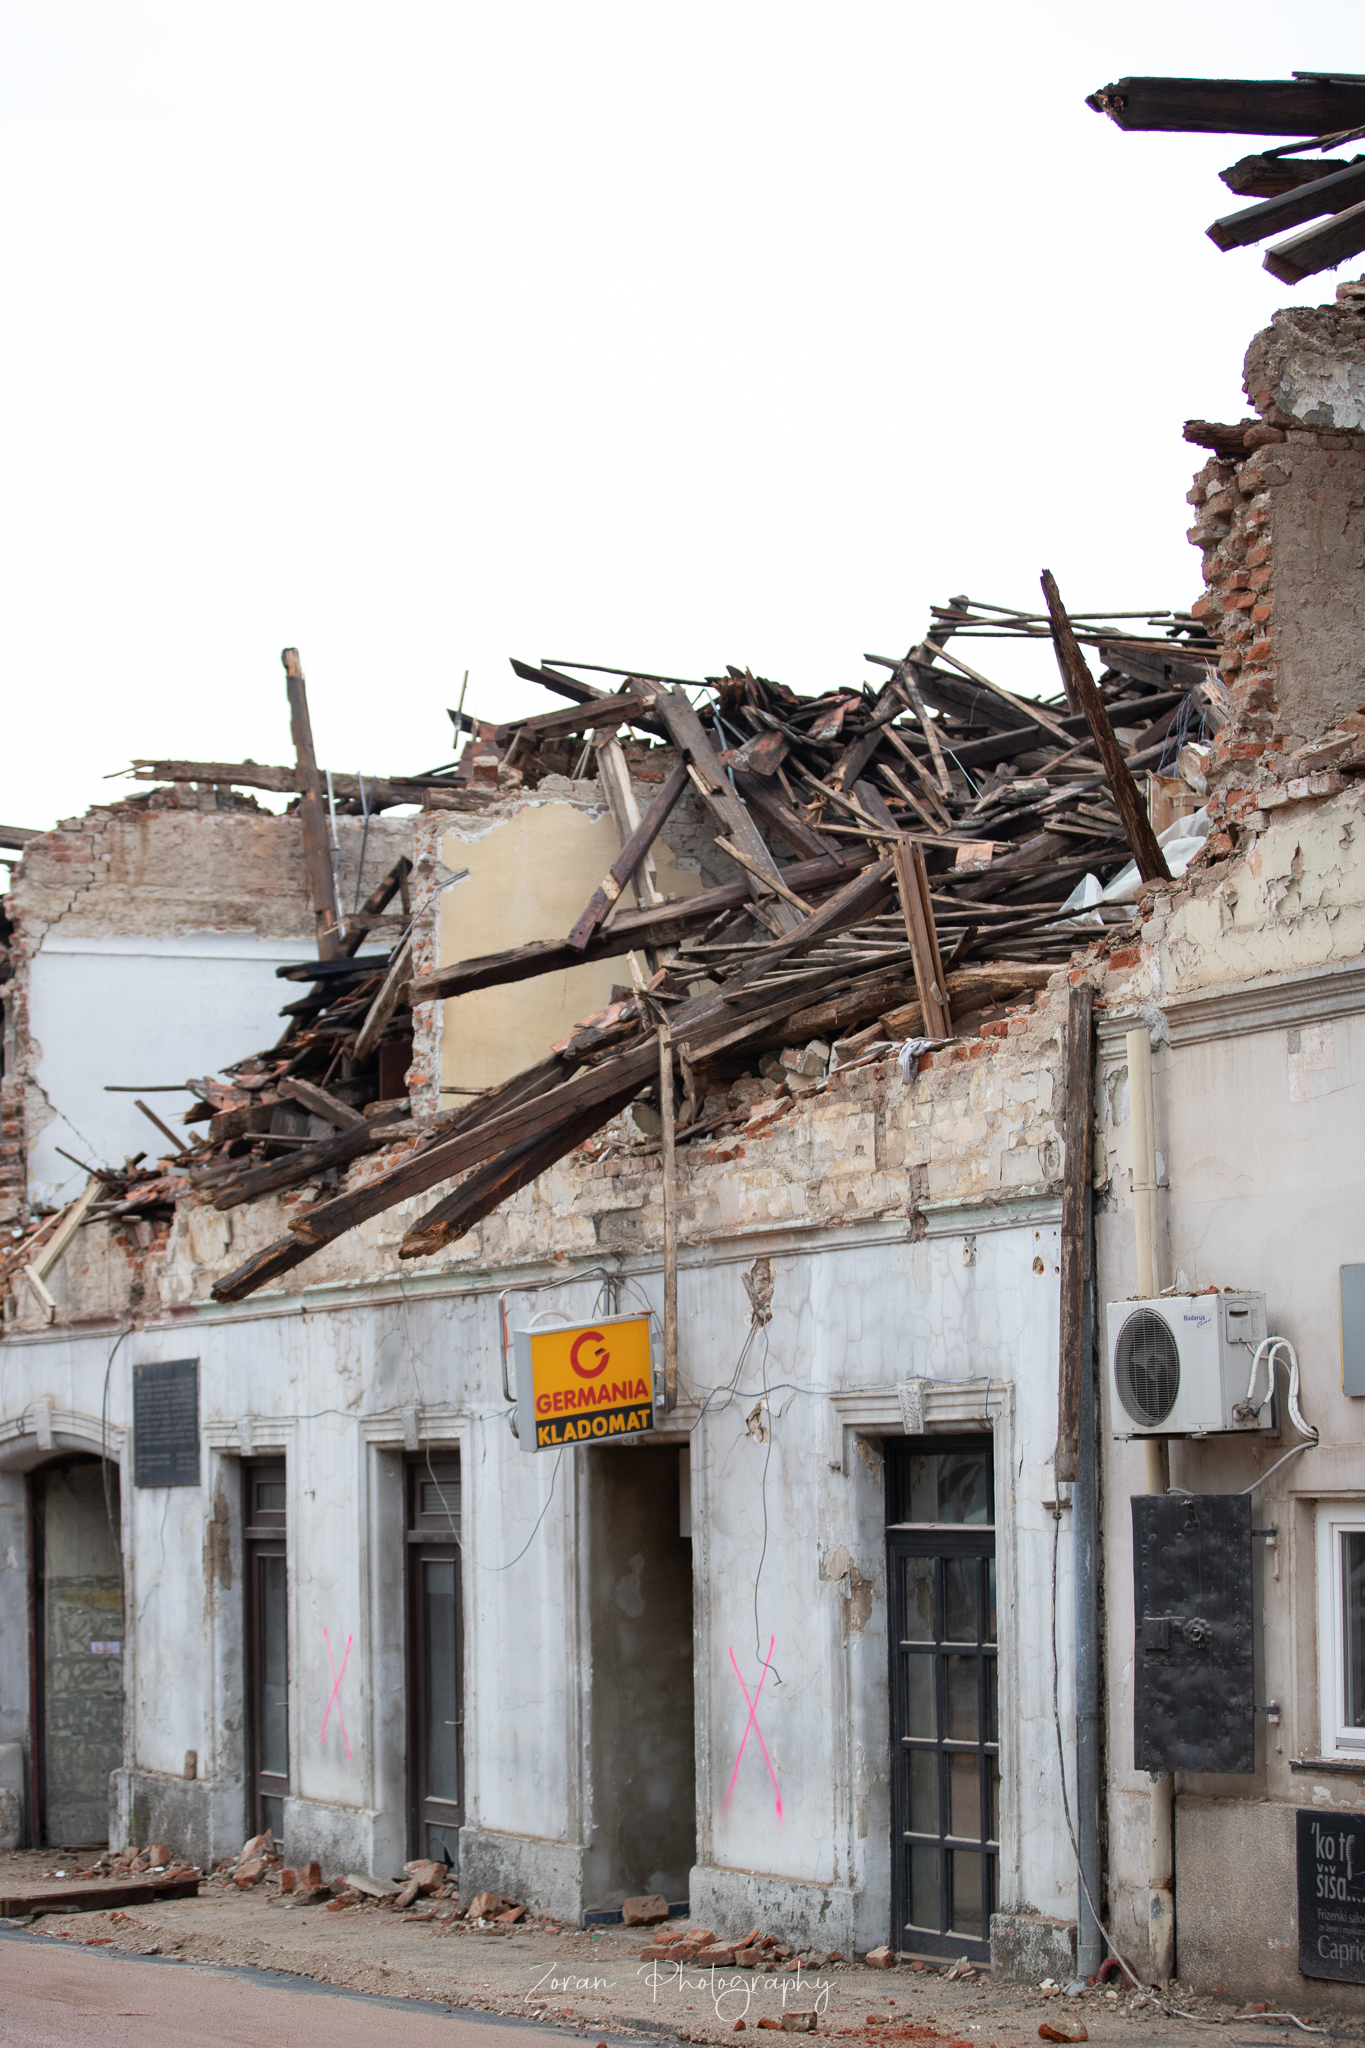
pixel 1180 1366
pixel 1194 1701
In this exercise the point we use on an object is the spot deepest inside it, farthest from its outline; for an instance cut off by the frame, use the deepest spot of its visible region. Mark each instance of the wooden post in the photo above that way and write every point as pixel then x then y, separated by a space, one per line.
pixel 670 1217
pixel 1151 861
pixel 317 858
pixel 1072 1362
pixel 932 983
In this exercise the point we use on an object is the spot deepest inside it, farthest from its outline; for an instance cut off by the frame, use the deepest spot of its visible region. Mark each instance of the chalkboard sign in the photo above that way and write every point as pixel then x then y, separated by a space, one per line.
pixel 166 1423
pixel 1332 1895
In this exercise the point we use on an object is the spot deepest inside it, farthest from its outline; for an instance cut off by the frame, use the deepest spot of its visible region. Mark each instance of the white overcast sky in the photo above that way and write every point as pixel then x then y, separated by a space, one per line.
pixel 419 334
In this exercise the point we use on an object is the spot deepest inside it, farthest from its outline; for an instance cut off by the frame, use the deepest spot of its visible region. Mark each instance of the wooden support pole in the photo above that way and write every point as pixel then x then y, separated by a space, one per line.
pixel 317 856
pixel 1151 861
pixel 669 1162
pixel 1072 1362
pixel 913 882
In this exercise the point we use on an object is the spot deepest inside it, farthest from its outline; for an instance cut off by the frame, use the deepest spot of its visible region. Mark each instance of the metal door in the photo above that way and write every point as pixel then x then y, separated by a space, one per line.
pixel 267 1646
pixel 1194 1700
pixel 435 1659
pixel 945 1737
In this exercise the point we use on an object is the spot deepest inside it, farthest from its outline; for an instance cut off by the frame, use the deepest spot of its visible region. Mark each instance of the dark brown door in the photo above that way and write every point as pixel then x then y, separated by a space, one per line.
pixel 267 1646
pixel 435 1659
pixel 945 1734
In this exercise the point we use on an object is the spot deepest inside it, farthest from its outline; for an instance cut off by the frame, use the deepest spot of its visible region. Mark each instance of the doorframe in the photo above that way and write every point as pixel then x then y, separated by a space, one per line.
pixel 924 1407
pixel 252 1548
pixel 382 1508
pixel 937 1541
pixel 414 1539
pixel 36 1476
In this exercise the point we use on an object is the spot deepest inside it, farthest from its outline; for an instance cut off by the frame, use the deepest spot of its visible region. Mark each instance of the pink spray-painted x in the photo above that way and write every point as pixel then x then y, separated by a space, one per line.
pixel 752 1722
pixel 335 1699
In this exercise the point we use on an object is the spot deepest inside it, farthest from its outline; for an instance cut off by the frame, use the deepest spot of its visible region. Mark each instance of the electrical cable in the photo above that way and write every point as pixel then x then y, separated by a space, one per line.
pixel 1061 1772
pixel 559 1459
pixel 1269 1348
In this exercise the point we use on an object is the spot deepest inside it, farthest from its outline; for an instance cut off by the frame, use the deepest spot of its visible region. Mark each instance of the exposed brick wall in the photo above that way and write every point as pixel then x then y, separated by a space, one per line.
pixel 1282 531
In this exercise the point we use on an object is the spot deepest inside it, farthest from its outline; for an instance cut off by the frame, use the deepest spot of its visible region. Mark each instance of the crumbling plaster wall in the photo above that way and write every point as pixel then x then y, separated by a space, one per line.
pixel 147 934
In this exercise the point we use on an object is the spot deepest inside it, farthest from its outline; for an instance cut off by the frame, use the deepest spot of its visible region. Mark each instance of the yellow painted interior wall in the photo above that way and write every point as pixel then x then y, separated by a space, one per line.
pixel 529 878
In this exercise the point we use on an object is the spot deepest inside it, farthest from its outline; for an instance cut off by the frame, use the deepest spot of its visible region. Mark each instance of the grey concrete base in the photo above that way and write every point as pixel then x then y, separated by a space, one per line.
pixel 1236 1905
pixel 200 1819
pixel 12 1777
pixel 807 1915
pixel 546 1876
pixel 343 1838
pixel 1027 1947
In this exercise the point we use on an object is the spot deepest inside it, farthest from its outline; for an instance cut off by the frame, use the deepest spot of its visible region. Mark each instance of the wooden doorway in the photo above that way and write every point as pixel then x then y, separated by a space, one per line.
pixel 435 1658
pixel 265 1534
pixel 76 1649
pixel 945 1732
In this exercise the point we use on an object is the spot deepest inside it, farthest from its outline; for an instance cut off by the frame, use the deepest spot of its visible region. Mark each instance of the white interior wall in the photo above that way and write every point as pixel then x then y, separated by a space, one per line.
pixel 142 1012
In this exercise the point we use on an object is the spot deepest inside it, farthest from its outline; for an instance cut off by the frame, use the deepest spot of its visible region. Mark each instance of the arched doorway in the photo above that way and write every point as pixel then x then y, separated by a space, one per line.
pixel 77 1647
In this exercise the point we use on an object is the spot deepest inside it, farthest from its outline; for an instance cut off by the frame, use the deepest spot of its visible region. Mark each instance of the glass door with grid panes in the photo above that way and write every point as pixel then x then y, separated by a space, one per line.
pixel 435 1659
pixel 945 1734
pixel 267 1645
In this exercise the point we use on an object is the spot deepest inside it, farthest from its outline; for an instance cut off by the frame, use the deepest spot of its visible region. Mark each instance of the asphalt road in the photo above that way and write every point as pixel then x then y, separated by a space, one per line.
pixel 55 1997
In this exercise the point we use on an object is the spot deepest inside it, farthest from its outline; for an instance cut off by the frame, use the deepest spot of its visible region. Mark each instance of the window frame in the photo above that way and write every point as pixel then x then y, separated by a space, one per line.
pixel 1339 1738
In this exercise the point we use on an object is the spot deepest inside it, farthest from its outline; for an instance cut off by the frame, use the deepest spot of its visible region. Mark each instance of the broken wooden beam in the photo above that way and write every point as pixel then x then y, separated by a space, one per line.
pixel 602 714
pixel 913 884
pixel 622 870
pixel 1332 194
pixel 394 883
pixel 277 1259
pixel 301 1166
pixel 666 924
pixel 1265 176
pixel 1232 106
pixel 317 852
pixel 1320 248
pixel 392 989
pixel 778 815
pixel 512 1170
pixel 332 1110
pixel 1074 1359
pixel 689 736
pixel 1142 840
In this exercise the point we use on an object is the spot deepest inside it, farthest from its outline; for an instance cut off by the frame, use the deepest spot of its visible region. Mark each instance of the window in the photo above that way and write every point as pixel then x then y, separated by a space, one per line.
pixel 1341 1628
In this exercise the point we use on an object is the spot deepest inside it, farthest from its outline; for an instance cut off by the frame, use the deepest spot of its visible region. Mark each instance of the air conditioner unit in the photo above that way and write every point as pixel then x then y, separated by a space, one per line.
pixel 1179 1365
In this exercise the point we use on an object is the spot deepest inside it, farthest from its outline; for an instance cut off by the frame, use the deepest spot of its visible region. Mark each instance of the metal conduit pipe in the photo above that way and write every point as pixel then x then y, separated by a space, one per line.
pixel 1161 1812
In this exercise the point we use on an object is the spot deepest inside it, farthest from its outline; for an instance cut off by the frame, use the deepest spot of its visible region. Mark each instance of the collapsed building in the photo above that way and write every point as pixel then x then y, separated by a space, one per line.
pixel 928 1034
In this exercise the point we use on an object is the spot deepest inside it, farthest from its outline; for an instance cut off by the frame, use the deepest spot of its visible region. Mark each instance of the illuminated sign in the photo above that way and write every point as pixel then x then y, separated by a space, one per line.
pixel 588 1384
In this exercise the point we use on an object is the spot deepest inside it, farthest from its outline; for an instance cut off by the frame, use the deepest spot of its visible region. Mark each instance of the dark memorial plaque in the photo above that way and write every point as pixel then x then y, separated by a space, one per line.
pixel 166 1423
pixel 1332 1895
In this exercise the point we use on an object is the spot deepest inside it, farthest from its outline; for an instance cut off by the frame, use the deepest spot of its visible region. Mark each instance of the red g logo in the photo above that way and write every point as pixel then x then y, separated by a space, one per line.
pixel 602 1356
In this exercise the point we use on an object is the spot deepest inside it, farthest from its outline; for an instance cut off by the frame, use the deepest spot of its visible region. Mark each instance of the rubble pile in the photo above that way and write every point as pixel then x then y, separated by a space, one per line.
pixel 941 841
pixel 913 855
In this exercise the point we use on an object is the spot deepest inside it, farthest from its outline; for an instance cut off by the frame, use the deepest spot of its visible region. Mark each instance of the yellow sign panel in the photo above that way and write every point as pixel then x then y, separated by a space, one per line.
pixel 586 1384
